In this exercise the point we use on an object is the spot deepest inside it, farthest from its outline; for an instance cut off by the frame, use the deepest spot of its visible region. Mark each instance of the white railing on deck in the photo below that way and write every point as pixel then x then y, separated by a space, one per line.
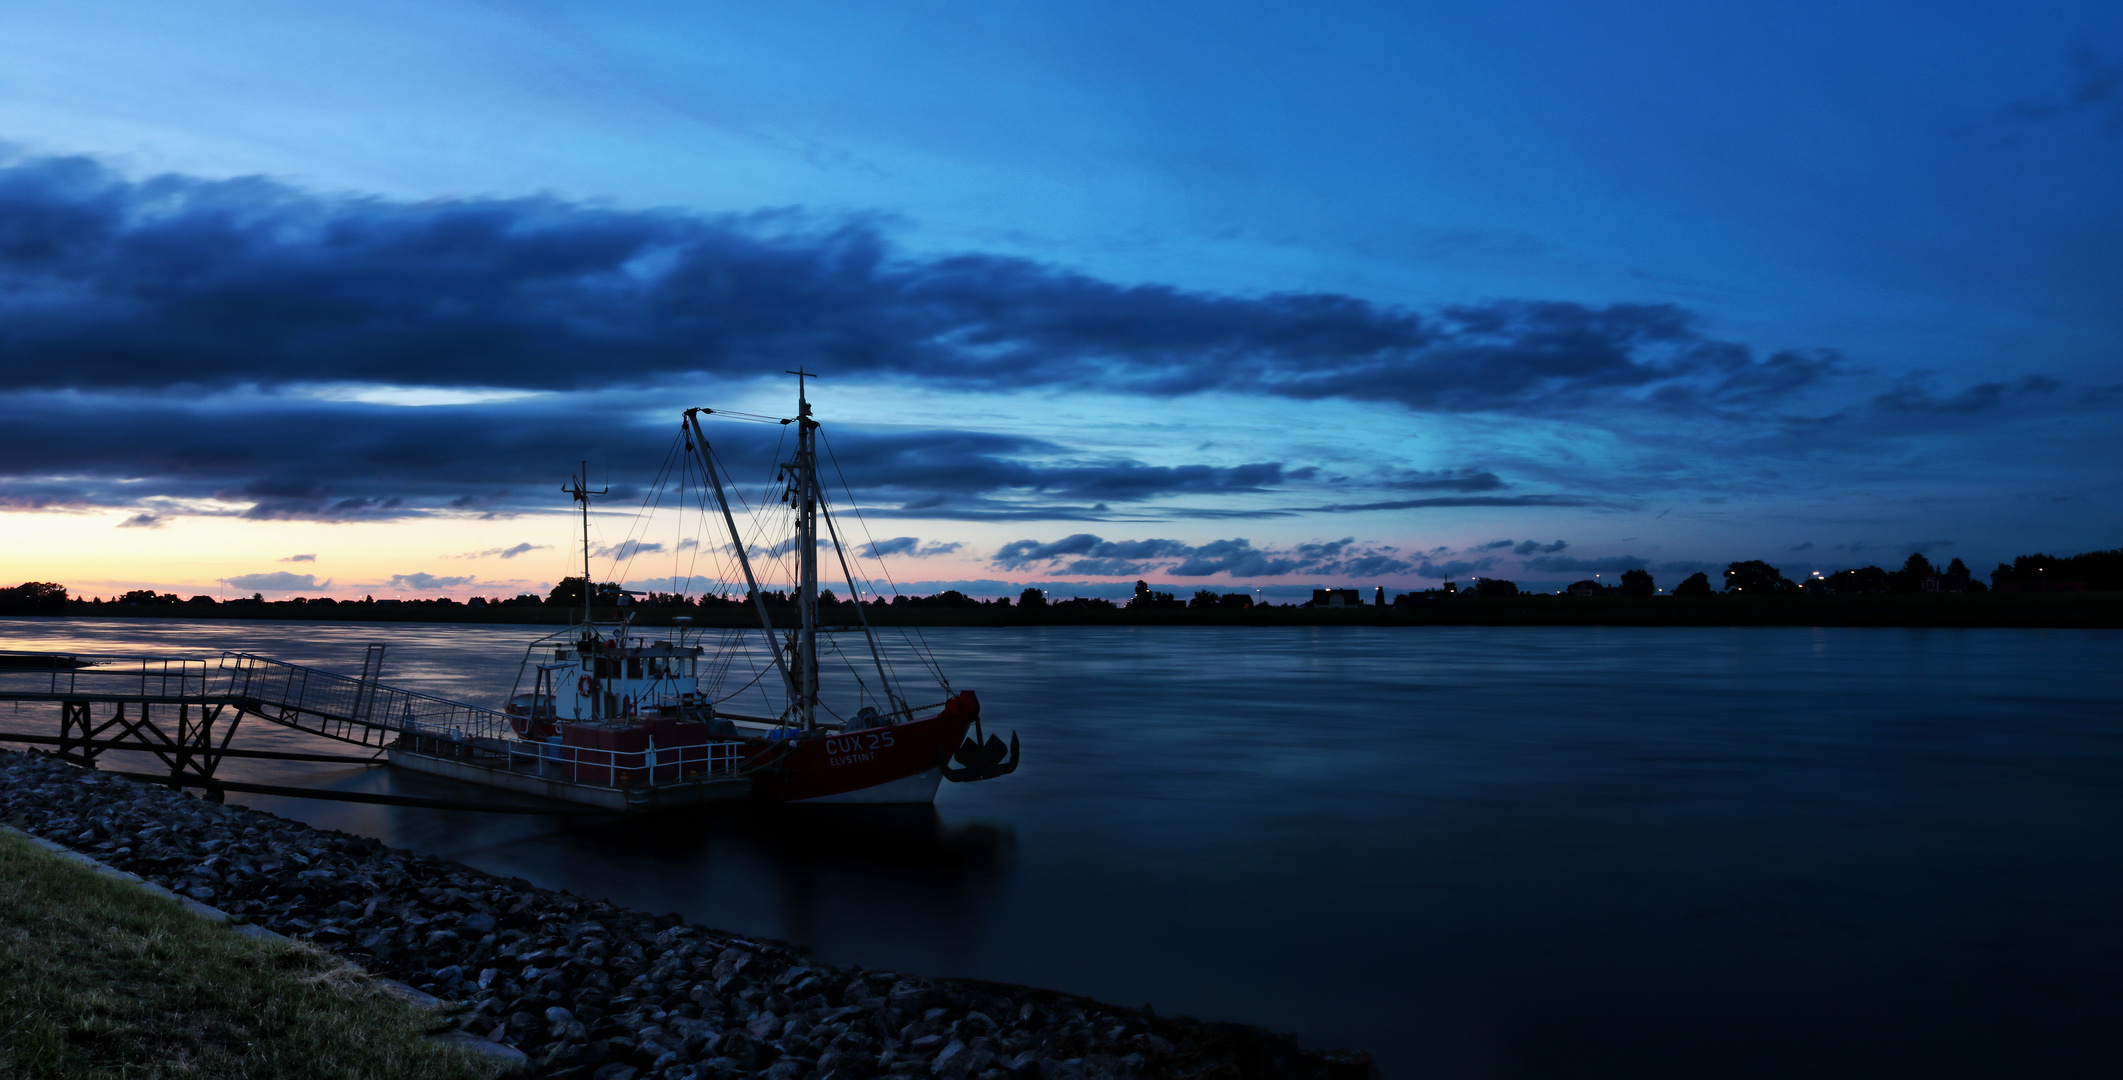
pixel 628 768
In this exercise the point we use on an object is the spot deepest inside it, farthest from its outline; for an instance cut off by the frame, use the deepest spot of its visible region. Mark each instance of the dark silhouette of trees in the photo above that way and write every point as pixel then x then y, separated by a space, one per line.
pixel 1910 578
pixel 2101 570
pixel 34 598
pixel 1696 584
pixel 1495 587
pixel 1637 583
pixel 1087 603
pixel 1032 598
pixel 1755 576
pixel 1956 578
pixel 569 592
pixel 1145 599
pixel 1869 579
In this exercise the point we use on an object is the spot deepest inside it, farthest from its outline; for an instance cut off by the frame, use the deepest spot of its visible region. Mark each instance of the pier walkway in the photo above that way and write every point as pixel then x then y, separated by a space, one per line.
pixel 185 711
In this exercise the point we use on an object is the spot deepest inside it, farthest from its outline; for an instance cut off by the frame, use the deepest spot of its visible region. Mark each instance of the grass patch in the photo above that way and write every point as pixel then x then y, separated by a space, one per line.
pixel 99 978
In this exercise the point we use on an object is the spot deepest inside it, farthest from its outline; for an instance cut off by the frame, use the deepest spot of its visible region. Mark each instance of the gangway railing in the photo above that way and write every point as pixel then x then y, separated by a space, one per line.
pixel 341 707
pixel 351 709
pixel 26 675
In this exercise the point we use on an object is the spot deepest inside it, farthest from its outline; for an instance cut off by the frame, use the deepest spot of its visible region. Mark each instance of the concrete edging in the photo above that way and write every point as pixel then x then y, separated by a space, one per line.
pixel 505 1057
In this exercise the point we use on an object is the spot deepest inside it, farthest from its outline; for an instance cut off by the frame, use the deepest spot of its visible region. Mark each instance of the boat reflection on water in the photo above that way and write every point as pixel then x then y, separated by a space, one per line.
pixel 911 837
pixel 884 886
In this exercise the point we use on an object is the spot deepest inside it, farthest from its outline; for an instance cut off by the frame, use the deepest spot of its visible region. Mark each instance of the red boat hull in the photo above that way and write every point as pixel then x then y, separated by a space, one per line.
pixel 900 763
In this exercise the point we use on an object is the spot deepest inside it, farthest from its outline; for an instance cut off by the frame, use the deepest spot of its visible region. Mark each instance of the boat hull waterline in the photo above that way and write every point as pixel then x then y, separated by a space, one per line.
pixel 842 766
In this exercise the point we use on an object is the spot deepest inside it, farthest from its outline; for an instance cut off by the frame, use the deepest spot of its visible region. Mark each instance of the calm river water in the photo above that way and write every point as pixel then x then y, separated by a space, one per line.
pixel 1476 852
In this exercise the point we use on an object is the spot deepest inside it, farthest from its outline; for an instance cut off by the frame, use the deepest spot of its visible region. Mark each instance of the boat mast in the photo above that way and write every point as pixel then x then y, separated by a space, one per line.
pixel 581 491
pixel 699 439
pixel 807 554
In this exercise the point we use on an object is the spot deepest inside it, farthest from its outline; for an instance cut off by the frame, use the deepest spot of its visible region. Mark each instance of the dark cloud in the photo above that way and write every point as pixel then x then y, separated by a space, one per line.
pixel 1453 568
pixel 625 549
pixel 167 281
pixel 276 581
pixel 143 521
pixel 1084 553
pixel 300 558
pixel 1108 568
pixel 1442 480
pixel 1021 553
pixel 1453 500
pixel 509 552
pixel 924 470
pixel 909 546
pixel 2095 85
pixel 280 458
pixel 1492 545
pixel 1564 564
pixel 1532 547
pixel 1912 394
pixel 1236 558
pixel 421 582
pixel 1691 566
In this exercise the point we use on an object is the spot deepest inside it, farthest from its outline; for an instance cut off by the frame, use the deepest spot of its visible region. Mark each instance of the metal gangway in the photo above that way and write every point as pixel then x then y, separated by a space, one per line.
pixel 185 710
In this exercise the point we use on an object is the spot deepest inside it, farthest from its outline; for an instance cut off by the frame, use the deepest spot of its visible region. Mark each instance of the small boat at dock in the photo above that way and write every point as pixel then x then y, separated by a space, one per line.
pixel 636 718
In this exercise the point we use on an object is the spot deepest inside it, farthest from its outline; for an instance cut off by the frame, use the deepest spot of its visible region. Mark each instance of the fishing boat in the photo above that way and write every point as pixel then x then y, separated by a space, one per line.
pixel 606 706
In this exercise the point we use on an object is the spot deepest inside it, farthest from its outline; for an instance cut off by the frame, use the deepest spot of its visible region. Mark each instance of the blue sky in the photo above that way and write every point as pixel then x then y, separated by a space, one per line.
pixel 1245 294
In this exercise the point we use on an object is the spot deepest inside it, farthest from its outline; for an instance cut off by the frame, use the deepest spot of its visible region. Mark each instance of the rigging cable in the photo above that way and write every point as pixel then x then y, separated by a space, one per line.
pixel 923 652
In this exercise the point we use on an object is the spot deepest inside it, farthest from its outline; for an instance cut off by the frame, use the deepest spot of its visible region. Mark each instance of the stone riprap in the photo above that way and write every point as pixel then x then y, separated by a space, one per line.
pixel 590 990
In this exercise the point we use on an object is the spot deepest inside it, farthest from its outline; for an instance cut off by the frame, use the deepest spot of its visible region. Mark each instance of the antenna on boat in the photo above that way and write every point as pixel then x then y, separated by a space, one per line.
pixel 580 489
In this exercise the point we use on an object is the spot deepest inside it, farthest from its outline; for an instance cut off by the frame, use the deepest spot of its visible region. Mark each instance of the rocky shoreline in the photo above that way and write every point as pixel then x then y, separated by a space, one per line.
pixel 592 991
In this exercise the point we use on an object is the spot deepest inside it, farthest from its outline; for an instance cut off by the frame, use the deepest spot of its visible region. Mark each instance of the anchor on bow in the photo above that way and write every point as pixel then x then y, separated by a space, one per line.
pixel 983 760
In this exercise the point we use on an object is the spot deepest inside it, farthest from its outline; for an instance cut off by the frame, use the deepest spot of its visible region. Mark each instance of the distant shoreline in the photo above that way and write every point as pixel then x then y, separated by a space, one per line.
pixel 2089 610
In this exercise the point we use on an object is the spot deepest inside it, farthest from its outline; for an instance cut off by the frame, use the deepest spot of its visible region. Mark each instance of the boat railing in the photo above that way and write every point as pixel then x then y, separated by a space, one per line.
pixel 626 768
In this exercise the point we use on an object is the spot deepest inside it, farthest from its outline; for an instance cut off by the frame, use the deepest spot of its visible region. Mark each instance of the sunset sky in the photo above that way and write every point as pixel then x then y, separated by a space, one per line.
pixel 315 299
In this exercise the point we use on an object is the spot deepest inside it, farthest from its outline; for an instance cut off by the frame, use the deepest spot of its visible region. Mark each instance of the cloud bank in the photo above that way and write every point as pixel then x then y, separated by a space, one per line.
pixel 175 281
pixel 1092 556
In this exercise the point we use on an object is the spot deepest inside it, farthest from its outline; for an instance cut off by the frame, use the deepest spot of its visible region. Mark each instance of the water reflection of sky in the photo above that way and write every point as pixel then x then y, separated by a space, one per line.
pixel 1479 852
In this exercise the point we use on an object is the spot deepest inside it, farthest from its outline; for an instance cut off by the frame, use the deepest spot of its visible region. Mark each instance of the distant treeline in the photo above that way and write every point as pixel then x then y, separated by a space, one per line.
pixel 2096 571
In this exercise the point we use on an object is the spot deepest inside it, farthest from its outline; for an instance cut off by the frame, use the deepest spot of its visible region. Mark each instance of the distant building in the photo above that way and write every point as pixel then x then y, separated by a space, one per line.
pixel 1328 598
pixel 1589 587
